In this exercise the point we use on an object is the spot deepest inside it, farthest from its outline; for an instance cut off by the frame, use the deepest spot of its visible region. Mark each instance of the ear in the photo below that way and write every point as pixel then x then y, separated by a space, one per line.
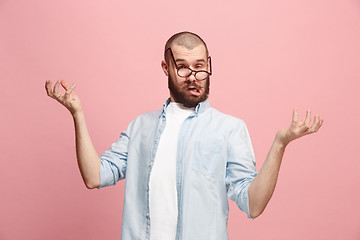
pixel 164 66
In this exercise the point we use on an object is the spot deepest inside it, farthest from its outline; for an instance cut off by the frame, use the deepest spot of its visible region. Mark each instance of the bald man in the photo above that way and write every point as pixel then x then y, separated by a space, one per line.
pixel 182 161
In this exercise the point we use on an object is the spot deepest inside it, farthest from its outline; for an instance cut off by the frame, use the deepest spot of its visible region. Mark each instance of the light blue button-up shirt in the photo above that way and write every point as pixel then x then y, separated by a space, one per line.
pixel 215 159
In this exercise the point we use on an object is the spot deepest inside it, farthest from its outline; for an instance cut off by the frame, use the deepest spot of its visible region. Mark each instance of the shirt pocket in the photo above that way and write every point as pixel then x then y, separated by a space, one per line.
pixel 206 157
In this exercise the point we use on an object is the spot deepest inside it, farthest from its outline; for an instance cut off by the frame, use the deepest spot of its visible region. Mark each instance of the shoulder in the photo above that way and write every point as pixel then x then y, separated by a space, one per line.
pixel 143 122
pixel 147 117
pixel 152 114
pixel 225 118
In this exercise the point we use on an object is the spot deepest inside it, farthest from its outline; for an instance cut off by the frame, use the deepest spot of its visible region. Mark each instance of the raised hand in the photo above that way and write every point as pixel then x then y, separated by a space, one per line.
pixel 298 128
pixel 69 99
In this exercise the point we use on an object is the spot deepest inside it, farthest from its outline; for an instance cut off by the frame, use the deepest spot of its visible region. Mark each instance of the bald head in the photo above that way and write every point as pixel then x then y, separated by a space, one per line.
pixel 188 40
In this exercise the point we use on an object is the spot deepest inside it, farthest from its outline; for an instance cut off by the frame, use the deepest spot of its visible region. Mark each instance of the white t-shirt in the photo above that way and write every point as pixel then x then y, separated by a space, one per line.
pixel 162 192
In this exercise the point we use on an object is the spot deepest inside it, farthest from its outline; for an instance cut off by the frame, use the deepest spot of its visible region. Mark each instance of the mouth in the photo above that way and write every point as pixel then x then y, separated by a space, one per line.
pixel 194 91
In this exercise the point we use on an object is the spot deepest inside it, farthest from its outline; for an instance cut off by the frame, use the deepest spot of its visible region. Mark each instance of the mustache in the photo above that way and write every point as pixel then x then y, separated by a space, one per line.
pixel 188 85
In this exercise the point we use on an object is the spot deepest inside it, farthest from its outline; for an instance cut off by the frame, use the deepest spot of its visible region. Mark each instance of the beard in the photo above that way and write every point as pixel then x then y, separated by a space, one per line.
pixel 180 95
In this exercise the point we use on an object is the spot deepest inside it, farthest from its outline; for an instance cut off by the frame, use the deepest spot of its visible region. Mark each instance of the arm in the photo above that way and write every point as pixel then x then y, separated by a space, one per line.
pixel 87 158
pixel 263 186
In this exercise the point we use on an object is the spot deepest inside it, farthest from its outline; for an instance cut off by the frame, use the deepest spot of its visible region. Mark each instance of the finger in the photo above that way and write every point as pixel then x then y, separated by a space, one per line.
pixel 304 127
pixel 308 118
pixel 295 115
pixel 70 89
pixel 314 125
pixel 56 89
pixel 48 88
pixel 320 124
pixel 64 84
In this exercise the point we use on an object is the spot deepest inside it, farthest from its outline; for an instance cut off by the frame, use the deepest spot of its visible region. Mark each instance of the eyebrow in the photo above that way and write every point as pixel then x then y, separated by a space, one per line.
pixel 183 60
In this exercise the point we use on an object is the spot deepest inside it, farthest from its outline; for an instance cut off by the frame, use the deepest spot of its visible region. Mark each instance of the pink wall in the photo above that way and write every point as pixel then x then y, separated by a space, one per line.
pixel 268 57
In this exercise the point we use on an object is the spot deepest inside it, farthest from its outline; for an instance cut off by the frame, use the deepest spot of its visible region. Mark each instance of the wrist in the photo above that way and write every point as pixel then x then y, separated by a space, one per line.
pixel 281 140
pixel 77 113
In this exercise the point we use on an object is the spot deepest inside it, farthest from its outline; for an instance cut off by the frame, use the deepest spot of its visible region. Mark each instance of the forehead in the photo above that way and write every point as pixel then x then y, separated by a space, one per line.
pixel 180 52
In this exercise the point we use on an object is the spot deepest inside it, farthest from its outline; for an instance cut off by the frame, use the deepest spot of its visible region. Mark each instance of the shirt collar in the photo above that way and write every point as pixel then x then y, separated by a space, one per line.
pixel 200 108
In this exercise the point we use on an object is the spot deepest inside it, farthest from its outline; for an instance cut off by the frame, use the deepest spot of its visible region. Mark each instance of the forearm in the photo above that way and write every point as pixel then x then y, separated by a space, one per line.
pixel 87 157
pixel 263 186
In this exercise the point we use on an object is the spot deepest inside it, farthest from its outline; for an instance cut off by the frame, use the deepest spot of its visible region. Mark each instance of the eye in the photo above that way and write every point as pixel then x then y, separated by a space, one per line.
pixel 199 66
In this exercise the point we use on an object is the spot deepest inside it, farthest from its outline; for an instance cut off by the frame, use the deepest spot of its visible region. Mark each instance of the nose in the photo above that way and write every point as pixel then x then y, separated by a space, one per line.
pixel 191 78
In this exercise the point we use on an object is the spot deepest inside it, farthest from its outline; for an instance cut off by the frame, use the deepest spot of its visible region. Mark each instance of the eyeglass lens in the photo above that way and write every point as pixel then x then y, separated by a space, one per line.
pixel 199 75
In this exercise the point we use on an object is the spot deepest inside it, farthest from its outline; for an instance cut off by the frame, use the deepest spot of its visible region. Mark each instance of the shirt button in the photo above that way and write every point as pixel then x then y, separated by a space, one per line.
pixel 157 140
pixel 147 214
pixel 150 164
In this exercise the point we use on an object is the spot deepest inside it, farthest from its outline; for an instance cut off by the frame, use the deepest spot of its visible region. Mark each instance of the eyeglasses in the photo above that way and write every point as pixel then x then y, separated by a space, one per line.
pixel 185 72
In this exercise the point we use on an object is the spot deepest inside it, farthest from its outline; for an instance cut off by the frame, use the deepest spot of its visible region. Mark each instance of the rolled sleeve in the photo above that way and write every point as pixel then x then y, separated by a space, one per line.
pixel 114 161
pixel 240 169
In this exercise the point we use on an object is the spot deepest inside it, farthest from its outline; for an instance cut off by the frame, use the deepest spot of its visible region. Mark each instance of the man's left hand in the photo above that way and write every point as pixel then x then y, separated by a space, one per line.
pixel 298 128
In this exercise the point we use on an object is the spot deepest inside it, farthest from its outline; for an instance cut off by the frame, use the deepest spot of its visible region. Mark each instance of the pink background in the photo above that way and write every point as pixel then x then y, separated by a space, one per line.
pixel 268 57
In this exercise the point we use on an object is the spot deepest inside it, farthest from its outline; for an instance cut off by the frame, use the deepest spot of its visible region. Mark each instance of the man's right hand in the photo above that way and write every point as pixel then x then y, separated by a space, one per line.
pixel 69 99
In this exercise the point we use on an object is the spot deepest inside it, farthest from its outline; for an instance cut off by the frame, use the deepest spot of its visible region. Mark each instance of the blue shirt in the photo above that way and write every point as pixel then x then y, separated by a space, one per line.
pixel 215 159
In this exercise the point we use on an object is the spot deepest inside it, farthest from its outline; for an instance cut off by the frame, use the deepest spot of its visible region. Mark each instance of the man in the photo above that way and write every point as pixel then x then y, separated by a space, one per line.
pixel 181 162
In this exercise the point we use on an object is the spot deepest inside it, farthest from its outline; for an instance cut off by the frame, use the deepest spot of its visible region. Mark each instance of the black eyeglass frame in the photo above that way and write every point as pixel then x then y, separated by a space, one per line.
pixel 191 71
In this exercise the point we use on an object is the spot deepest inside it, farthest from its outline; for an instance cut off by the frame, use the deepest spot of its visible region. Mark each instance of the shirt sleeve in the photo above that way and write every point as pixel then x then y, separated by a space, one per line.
pixel 240 168
pixel 113 161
